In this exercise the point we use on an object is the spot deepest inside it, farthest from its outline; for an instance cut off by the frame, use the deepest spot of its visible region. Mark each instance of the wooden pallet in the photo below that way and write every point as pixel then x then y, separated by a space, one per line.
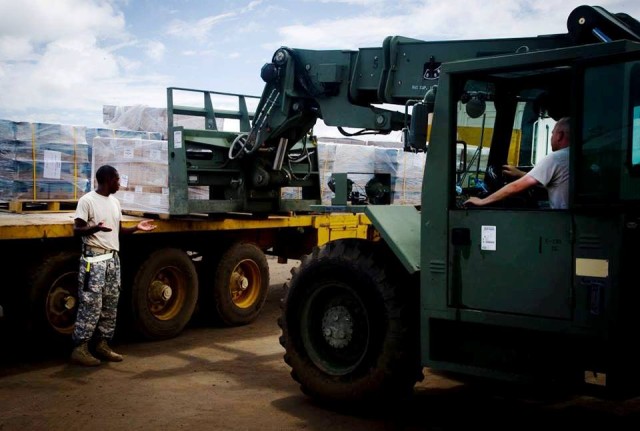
pixel 38 206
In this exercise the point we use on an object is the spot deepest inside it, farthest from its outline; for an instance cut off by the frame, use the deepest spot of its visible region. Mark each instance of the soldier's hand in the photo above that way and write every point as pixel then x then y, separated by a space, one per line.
pixel 102 228
pixel 146 225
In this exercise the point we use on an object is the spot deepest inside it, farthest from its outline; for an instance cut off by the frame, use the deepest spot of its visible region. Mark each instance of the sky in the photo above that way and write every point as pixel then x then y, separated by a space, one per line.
pixel 61 61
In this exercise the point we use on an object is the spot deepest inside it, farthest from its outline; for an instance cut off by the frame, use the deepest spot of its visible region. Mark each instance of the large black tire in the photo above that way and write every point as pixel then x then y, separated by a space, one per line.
pixel 54 295
pixel 350 325
pixel 164 294
pixel 239 285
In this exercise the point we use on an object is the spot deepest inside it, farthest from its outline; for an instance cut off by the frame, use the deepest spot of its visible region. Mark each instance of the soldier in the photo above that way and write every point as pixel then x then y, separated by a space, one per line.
pixel 97 214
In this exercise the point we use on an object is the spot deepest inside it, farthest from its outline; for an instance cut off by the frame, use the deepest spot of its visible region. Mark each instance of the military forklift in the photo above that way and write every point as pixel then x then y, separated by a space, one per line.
pixel 516 291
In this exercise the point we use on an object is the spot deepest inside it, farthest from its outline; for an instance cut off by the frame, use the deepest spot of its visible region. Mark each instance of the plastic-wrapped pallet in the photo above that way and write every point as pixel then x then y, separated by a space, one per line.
pixel 143 165
pixel 386 161
pixel 145 118
pixel 326 159
pixel 40 161
pixel 120 133
pixel 408 184
pixel 358 162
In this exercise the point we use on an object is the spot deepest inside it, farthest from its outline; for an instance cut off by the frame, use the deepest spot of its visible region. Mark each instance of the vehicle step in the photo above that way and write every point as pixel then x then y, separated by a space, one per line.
pixel 39 206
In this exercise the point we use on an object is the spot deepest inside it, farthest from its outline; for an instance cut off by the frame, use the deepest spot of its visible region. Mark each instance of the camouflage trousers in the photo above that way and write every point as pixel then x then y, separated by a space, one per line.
pixel 98 298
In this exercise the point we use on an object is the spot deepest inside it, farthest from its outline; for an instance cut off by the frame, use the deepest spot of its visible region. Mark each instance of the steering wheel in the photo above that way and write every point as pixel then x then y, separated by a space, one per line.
pixel 494 179
pixel 238 146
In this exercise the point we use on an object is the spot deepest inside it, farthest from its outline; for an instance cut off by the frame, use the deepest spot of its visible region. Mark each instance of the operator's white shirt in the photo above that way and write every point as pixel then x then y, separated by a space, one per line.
pixel 553 173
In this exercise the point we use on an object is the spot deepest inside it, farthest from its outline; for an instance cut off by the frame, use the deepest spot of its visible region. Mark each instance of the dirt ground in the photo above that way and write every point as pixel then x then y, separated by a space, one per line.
pixel 213 378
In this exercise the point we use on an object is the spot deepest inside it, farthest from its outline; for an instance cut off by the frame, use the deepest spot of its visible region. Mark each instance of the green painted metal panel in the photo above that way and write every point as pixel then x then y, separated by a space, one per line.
pixel 515 262
pixel 399 226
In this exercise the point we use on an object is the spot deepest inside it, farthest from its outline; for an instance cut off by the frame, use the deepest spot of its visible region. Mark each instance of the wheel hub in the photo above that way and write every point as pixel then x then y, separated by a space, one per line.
pixel 61 301
pixel 69 302
pixel 337 326
pixel 240 281
pixel 160 292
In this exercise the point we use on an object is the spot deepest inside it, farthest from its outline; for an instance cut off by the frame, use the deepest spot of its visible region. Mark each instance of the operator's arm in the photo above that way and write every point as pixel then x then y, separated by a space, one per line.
pixel 510 189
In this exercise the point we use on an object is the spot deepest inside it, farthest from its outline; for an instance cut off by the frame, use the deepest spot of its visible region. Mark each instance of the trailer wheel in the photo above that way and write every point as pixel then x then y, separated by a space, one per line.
pixel 350 324
pixel 164 294
pixel 240 284
pixel 54 294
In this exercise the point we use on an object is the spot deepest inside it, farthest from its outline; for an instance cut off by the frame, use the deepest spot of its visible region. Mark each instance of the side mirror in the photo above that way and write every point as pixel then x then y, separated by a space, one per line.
pixel 417 137
pixel 461 165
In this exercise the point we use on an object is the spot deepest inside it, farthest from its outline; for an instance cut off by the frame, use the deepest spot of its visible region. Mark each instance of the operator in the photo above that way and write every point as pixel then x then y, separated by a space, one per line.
pixel 98 222
pixel 552 172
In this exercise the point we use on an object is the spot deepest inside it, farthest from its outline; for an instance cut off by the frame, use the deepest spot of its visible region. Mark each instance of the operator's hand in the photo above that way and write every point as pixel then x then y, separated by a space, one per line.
pixel 512 171
pixel 146 225
pixel 474 201
pixel 102 228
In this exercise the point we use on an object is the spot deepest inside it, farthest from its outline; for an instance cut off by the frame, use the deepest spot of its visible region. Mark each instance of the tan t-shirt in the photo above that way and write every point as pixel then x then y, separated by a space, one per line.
pixel 95 208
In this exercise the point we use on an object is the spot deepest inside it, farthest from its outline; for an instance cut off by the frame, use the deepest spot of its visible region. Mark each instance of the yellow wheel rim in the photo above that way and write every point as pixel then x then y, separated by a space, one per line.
pixel 245 283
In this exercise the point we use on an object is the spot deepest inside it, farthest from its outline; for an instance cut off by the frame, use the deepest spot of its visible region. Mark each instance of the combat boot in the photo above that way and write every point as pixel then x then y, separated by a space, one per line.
pixel 104 351
pixel 82 356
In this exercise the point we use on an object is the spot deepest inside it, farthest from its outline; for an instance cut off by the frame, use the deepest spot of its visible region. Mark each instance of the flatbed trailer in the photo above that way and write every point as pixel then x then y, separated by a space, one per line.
pixel 216 261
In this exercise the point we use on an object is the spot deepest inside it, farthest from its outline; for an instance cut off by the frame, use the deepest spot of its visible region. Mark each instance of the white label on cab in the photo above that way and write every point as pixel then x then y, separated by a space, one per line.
pixel 177 139
pixel 488 239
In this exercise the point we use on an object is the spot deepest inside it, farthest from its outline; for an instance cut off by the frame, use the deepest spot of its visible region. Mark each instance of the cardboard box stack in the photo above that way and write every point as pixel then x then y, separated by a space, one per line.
pixel 40 161
pixel 360 162
pixel 143 165
pixel 407 187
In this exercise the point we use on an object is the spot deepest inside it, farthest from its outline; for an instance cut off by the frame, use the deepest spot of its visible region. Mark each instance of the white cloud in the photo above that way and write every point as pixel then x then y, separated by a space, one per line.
pixel 437 20
pixel 253 5
pixel 62 60
pixel 353 2
pixel 199 29
pixel 155 50
pixel 347 33
pixel 15 48
pixel 43 21
pixel 61 63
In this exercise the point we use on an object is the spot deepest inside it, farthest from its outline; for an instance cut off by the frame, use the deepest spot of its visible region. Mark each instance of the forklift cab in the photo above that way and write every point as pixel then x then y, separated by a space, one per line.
pixel 519 264
pixel 510 241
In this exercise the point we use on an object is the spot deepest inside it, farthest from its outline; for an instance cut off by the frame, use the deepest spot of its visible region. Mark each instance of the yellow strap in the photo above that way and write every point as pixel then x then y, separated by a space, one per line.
pixel 75 166
pixel 33 157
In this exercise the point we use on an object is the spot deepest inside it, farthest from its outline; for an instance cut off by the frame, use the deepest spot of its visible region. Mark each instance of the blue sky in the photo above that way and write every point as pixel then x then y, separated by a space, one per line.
pixel 62 60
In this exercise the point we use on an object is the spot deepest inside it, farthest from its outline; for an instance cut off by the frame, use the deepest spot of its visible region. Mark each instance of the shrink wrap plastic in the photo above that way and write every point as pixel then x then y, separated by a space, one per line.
pixel 143 165
pixel 360 162
pixel 145 118
pixel 40 161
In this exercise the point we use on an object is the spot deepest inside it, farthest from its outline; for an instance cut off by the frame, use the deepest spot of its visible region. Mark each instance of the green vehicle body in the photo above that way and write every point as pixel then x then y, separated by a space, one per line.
pixel 514 291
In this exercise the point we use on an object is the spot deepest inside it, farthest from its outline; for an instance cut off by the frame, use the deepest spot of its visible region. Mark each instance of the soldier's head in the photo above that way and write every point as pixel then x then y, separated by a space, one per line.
pixel 108 180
